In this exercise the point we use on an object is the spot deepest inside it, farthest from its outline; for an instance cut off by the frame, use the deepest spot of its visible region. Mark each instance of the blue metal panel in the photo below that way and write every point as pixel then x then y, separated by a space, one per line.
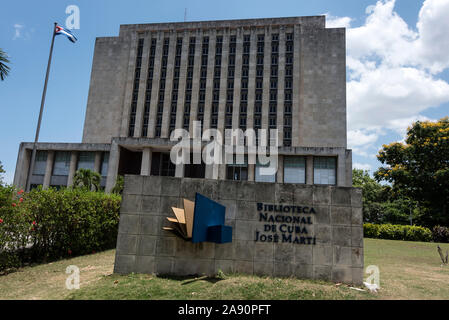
pixel 219 234
pixel 208 213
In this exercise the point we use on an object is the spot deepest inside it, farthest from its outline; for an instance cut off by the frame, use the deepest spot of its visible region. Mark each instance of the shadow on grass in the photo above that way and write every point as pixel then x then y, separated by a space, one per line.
pixel 188 279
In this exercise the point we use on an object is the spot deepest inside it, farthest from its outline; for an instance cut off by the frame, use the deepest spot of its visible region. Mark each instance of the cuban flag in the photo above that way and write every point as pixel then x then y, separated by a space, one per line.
pixel 67 33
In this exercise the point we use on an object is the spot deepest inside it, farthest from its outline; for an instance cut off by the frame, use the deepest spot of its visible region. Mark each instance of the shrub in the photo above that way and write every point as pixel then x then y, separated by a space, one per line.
pixel 397 232
pixel 13 228
pixel 55 224
pixel 440 234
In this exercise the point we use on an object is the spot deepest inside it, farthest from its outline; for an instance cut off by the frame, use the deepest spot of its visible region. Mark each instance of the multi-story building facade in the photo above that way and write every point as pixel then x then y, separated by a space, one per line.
pixel 287 74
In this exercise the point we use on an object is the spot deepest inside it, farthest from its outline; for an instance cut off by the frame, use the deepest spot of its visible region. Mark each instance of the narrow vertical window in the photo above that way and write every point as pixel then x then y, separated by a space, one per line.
pixel 137 71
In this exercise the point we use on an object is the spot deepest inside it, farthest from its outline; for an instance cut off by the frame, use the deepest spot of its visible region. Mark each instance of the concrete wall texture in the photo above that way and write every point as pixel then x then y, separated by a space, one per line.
pixel 331 250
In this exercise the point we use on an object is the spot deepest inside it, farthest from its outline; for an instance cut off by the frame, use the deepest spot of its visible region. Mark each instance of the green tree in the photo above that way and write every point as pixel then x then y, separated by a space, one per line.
pixel 2 171
pixel 4 69
pixel 419 169
pixel 87 179
pixel 372 194
pixel 118 188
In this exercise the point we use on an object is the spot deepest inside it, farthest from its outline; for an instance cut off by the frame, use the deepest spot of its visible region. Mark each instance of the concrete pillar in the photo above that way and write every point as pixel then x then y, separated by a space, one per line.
pixel 251 172
pixel 298 87
pixel 237 79
pixel 72 169
pixel 309 170
pixel 281 87
pixel 266 79
pixel 341 170
pixel 179 172
pixel 252 80
pixel 48 169
pixel 222 172
pixel 210 79
pixel 168 85
pixel 182 81
pixel 146 162
pixel 223 83
pixel 209 171
pixel 114 159
pixel 348 164
pixel 142 86
pixel 156 82
pixel 129 85
pixel 196 77
pixel 97 163
pixel 22 167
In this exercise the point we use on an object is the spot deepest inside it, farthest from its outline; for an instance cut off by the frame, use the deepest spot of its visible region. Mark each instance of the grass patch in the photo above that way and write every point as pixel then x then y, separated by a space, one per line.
pixel 408 270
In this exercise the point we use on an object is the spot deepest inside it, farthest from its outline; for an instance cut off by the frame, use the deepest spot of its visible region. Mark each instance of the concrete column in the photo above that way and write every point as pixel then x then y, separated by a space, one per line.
pixel 146 162
pixel 281 87
pixel 72 169
pixel 156 83
pixel 179 172
pixel 223 82
pixel 168 86
pixel 182 81
pixel 22 167
pixel 142 86
pixel 210 79
pixel 251 172
pixel 196 77
pixel 309 170
pixel 280 171
pixel 114 159
pixel 237 79
pixel 129 85
pixel 297 91
pixel 222 172
pixel 97 163
pixel 252 79
pixel 209 171
pixel 266 79
pixel 48 169
pixel 348 163
pixel 341 170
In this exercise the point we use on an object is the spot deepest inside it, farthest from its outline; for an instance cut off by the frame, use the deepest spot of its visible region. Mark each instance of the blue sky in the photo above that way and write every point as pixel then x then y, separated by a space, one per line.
pixel 25 34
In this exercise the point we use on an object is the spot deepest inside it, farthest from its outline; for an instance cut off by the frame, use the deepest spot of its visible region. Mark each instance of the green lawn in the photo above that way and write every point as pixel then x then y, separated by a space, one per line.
pixel 408 270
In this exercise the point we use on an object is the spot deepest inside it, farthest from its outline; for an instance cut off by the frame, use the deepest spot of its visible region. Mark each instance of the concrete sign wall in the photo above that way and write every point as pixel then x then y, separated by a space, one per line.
pixel 281 230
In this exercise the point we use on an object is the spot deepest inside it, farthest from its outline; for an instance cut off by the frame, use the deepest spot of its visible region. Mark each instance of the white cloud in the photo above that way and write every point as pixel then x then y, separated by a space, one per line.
pixel 337 22
pixel 393 70
pixel 433 27
pixel 17 31
pixel 362 166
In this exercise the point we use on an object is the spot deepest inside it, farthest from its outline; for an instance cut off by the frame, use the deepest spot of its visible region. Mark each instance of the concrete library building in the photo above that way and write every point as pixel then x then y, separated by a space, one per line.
pixel 283 74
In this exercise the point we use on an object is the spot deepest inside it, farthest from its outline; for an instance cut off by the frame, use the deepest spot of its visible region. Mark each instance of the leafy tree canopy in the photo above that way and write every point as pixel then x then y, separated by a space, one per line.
pixel 419 168
pixel 87 179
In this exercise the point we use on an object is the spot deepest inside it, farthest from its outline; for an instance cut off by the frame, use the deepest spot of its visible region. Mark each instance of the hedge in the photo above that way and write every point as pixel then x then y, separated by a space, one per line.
pixel 397 232
pixel 48 224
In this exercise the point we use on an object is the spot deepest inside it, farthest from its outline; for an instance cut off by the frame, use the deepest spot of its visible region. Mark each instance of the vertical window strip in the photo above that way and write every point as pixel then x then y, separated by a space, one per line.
pixel 146 114
pixel 189 79
pixel 175 88
pixel 160 104
pixel 288 90
pixel 244 82
pixel 216 88
pixel 132 117
pixel 259 84
pixel 203 80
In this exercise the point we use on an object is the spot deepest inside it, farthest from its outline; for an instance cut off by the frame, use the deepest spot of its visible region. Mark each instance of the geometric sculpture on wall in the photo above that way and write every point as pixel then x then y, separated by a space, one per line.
pixel 200 221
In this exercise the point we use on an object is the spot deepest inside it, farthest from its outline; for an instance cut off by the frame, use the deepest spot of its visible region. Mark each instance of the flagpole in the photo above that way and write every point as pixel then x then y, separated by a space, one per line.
pixel 33 154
